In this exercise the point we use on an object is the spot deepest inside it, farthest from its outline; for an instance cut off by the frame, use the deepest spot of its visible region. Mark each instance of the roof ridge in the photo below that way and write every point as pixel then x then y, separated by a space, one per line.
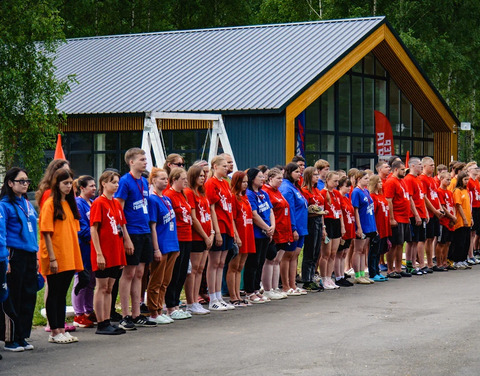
pixel 261 26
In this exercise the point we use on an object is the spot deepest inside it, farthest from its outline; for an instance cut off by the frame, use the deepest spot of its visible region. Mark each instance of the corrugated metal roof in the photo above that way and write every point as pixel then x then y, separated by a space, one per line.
pixel 224 69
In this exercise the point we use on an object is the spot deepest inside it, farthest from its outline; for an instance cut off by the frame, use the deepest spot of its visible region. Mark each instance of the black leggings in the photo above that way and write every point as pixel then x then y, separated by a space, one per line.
pixel 58 285
pixel 252 274
pixel 179 275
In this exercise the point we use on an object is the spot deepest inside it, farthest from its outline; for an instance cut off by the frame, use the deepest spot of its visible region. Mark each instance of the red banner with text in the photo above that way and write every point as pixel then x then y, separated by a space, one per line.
pixel 383 130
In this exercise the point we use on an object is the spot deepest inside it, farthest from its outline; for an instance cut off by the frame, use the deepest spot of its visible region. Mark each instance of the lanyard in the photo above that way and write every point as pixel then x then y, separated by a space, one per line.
pixel 138 186
pixel 23 210
pixel 111 204
pixel 163 200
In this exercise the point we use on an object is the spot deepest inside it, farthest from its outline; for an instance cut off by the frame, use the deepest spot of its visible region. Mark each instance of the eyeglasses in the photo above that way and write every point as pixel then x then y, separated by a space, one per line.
pixel 178 164
pixel 23 182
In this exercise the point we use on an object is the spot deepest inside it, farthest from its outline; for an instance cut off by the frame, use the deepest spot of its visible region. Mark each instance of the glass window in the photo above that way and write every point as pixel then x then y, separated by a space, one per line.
pixel 427 132
pixel 111 139
pixel 416 124
pixel 344 104
pixel 358 67
pixel 356 104
pixel 406 146
pixel 364 163
pixel 417 147
pixel 379 69
pixel 395 108
pixel 428 148
pixel 312 158
pixel 344 144
pixel 130 140
pixel 312 142
pixel 81 163
pixel 312 116
pixel 397 146
pixel 406 121
pixel 79 141
pixel 327 142
pixel 368 105
pixel 330 158
pixel 369 145
pixel 328 110
pixel 344 162
pixel 369 64
pixel 357 144
pixel 381 96
pixel 99 141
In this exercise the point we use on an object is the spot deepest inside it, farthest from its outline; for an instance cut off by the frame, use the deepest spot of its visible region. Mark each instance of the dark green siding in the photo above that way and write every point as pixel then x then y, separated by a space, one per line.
pixel 256 139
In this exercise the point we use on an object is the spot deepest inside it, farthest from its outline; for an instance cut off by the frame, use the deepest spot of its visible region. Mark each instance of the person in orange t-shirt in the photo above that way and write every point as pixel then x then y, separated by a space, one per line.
pixel 461 235
pixel 60 254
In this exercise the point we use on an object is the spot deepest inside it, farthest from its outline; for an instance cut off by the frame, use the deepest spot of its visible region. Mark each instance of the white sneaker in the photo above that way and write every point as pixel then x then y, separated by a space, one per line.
pixel 167 318
pixel 160 320
pixel 301 291
pixel 216 306
pixel 178 315
pixel 201 309
pixel 282 293
pixel 229 306
pixel 326 284
pixel 459 265
pixel 272 295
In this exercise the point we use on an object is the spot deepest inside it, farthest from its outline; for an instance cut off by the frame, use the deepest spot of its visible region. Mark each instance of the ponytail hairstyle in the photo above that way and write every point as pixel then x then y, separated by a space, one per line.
pixel 330 176
pixel 308 178
pixel 215 161
pixel 81 182
pixel 237 180
pixel 193 174
pixel 106 177
pixel 289 168
pixel 46 182
pixel 58 213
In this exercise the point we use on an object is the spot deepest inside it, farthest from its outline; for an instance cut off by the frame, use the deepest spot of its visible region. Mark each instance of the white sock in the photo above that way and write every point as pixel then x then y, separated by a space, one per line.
pixel 189 305
pixel 338 278
pixel 213 297
pixel 219 296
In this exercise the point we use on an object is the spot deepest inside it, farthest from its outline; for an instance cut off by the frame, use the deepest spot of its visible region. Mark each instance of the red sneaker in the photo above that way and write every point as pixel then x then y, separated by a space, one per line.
pixel 82 322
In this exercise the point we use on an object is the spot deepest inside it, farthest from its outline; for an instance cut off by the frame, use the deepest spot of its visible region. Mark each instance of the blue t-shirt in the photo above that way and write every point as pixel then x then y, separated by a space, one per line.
pixel 3 238
pixel 298 207
pixel 161 212
pixel 84 233
pixel 361 199
pixel 135 194
pixel 21 224
pixel 320 184
pixel 260 202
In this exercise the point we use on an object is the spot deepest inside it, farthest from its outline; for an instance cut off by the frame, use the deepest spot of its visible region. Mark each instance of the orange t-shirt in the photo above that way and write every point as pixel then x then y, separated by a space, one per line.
pixel 462 197
pixel 64 239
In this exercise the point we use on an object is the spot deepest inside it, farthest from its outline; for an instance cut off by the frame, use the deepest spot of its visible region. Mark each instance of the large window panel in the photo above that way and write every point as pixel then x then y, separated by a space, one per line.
pixel 328 142
pixel 368 105
pixel 369 64
pixel 369 145
pixel 130 140
pixel 416 124
pixel 381 96
pixel 312 141
pixel 344 144
pixel 395 108
pixel 356 104
pixel 344 162
pixel 357 144
pixel 405 119
pixel 328 110
pixel 312 116
pixel 344 104
pixel 79 141
pixel 427 132
pixel 81 163
pixel 406 146
pixel 428 148
pixel 379 69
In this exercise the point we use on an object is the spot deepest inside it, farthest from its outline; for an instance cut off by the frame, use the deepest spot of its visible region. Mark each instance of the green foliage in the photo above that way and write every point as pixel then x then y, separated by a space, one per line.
pixel 30 92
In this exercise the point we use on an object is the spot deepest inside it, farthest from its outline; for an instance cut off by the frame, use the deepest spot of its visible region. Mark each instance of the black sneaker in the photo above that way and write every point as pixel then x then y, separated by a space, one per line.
pixel 405 274
pixel 144 308
pixel 127 323
pixel 427 270
pixel 311 287
pixel 110 330
pixel 343 283
pixel 115 316
pixel 394 275
pixel 438 268
pixel 144 322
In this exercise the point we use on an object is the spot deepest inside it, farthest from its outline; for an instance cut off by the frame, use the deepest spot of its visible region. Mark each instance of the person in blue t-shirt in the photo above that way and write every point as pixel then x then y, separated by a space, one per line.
pixel 21 238
pixel 133 196
pixel 263 229
pixel 366 228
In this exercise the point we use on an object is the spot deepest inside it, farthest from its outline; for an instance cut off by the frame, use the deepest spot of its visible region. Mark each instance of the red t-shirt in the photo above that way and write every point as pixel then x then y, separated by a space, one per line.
pixel 109 214
pixel 218 194
pixel 446 199
pixel 415 190
pixel 436 180
pixel 334 206
pixel 281 210
pixel 396 189
pixel 183 214
pixel 314 197
pixel 473 187
pixel 382 218
pixel 348 218
pixel 202 213
pixel 243 217
pixel 430 188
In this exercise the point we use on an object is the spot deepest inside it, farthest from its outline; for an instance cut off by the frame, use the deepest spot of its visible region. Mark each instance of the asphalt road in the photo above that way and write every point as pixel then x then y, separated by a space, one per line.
pixel 425 325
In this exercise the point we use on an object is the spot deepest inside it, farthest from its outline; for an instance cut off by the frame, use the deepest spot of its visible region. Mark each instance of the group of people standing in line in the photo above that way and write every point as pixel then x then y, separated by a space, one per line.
pixel 240 233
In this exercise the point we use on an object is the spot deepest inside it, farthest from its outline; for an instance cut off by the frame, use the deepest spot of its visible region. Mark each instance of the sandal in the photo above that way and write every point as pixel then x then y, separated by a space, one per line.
pixel 59 338
pixel 237 303
pixel 247 303
pixel 203 300
pixel 253 298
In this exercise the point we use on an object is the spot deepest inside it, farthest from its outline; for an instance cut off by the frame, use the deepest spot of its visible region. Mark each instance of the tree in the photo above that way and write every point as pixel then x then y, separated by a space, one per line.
pixel 30 32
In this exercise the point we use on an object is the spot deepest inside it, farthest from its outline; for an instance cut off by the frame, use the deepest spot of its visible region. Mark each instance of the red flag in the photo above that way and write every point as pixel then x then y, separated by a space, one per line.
pixel 407 158
pixel 383 129
pixel 59 154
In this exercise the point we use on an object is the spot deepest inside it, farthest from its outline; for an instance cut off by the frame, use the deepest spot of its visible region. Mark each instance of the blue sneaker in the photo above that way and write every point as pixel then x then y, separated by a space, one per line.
pixel 13 346
pixel 378 278
pixel 383 268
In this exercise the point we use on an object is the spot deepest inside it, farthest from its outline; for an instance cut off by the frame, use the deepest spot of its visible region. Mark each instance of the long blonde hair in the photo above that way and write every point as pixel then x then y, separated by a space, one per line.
pixel 215 161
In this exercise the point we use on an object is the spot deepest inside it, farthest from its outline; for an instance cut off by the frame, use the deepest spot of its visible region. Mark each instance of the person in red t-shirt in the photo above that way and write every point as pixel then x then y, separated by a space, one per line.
pixel 447 222
pixel 383 170
pixel 107 250
pixel 473 188
pixel 418 220
pixel 221 201
pixel 202 236
pixel 344 185
pixel 316 232
pixel 398 205
pixel 177 180
pixel 282 237
pixel 244 237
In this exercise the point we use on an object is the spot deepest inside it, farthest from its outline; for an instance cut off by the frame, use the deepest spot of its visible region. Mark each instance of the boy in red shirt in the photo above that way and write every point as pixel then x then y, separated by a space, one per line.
pixel 447 222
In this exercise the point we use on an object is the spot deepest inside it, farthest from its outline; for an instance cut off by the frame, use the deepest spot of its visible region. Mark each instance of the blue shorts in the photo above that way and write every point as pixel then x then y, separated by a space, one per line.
pixel 296 244
pixel 227 244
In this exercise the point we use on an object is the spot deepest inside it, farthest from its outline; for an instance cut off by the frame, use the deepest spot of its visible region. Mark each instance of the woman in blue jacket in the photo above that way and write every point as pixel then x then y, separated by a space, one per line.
pixel 299 218
pixel 21 226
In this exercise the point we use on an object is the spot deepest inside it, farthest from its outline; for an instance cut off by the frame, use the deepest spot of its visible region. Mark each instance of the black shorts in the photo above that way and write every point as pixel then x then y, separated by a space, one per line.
pixel 142 249
pixel 112 272
pixel 368 235
pixel 433 228
pixel 400 234
pixel 198 246
pixel 333 228
pixel 419 233
pixel 272 251
pixel 226 244
pixel 445 235
pixel 476 220
pixel 345 245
